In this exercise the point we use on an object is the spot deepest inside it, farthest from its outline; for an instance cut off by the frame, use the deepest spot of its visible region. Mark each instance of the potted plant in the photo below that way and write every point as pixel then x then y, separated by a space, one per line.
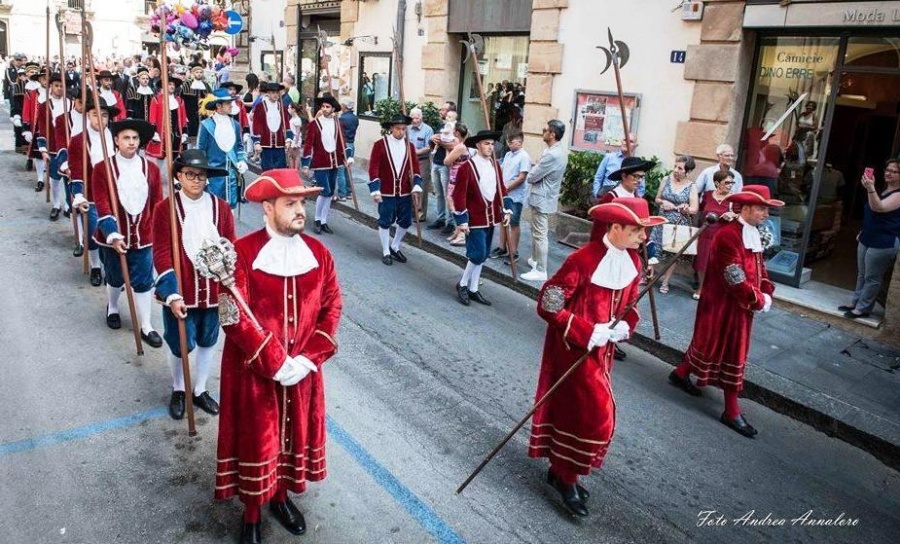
pixel 573 228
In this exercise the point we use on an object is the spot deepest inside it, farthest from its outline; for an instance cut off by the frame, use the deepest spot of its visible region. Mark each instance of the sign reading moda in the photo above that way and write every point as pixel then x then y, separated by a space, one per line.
pixel 822 14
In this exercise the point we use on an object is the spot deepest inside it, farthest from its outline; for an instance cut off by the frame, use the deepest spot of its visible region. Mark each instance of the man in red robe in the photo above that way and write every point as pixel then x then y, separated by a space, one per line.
pixel 735 287
pixel 573 429
pixel 272 417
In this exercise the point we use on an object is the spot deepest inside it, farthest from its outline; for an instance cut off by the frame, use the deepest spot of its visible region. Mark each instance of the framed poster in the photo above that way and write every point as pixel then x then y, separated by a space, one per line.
pixel 597 120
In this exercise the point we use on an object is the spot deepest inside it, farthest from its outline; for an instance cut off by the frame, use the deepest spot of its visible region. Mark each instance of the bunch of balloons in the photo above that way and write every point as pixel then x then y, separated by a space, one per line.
pixel 187 23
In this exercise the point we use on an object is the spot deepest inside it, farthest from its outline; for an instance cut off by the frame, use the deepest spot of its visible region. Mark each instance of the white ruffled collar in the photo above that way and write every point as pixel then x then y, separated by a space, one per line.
pixel 752 239
pixel 285 256
pixel 616 269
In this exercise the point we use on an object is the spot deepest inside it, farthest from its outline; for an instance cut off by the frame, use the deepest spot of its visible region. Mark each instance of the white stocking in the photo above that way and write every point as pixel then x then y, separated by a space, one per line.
pixel 326 207
pixel 476 275
pixel 467 273
pixel 112 298
pixel 144 303
pixel 40 167
pixel 56 195
pixel 204 358
pixel 95 263
pixel 177 372
pixel 385 236
pixel 398 238
pixel 320 207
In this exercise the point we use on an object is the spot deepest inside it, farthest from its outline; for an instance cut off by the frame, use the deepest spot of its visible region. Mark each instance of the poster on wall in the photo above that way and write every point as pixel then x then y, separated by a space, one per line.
pixel 597 123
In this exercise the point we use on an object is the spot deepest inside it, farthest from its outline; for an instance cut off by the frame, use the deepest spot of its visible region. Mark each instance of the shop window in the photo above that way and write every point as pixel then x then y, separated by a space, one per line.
pixel 787 104
pixel 374 85
pixel 271 63
pixel 873 52
pixel 504 68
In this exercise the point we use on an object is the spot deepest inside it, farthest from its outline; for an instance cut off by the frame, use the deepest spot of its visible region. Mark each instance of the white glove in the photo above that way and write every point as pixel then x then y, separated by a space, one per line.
pixel 184 138
pixel 417 189
pixel 27 135
pixel 600 336
pixel 288 142
pixel 294 370
pixel 620 332
pixel 64 167
pixel 768 303
pixel 349 161
pixel 17 120
pixel 156 137
pixel 241 167
pixel 78 201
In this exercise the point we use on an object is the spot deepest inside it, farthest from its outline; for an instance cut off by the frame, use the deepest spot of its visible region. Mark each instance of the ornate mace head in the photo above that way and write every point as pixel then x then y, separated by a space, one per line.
pixel 216 261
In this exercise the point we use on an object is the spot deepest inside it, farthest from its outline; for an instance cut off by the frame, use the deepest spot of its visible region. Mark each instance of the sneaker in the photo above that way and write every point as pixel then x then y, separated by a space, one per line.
pixel 515 258
pixel 532 263
pixel 497 253
pixel 534 275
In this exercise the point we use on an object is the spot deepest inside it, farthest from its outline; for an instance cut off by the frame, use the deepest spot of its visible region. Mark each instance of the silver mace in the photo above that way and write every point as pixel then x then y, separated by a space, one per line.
pixel 216 261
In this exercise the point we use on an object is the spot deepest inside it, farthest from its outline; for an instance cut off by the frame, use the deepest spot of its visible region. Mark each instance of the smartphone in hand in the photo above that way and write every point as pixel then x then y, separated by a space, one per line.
pixel 869 172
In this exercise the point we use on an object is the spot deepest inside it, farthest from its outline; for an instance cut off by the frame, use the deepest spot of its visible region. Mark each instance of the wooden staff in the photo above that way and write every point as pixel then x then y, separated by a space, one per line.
pixel 173 223
pixel 85 60
pixel 487 121
pixel 114 203
pixel 710 219
pixel 416 198
pixel 61 33
pixel 47 108
pixel 349 172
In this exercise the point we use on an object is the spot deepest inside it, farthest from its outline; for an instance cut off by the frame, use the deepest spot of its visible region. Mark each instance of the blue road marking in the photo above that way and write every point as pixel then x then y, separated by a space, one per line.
pixel 421 512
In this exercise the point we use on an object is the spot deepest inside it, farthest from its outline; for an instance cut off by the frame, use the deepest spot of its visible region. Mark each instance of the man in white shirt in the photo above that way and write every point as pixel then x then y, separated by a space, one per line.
pixel 725 154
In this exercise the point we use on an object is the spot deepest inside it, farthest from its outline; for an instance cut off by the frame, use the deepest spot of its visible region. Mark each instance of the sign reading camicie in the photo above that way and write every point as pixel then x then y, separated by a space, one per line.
pixel 823 14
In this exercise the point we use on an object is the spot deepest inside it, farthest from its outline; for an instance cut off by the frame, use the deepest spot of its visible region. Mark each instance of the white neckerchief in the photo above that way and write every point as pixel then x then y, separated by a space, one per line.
pixel 96 148
pixel 224 132
pixel 397 149
pixel 621 192
pixel 198 85
pixel 109 96
pixel 329 135
pixel 31 85
pixel 198 225
pixel 487 177
pixel 76 123
pixel 57 107
pixel 132 184
pixel 285 256
pixel 273 115
pixel 144 90
pixel 234 108
pixel 752 239
pixel 173 102
pixel 41 95
pixel 616 269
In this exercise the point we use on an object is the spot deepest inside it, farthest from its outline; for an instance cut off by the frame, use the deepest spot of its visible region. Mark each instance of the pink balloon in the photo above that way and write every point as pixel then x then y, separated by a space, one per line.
pixel 189 20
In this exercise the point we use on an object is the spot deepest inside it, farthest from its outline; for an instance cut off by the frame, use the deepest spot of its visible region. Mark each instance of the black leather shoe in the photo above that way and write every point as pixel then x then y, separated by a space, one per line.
pixel 618 354
pixel 582 492
pixel 685 384
pixel 39 187
pixel 113 321
pixel 479 298
pixel 54 214
pixel 326 229
pixel 850 314
pixel 288 516
pixel 250 534
pixel 570 497
pixel 68 213
pixel 398 256
pixel 96 276
pixel 317 227
pixel 387 259
pixel 740 425
pixel 206 403
pixel 462 294
pixel 439 224
pixel 448 229
pixel 153 339
pixel 846 308
pixel 29 165
pixel 78 251
pixel 176 405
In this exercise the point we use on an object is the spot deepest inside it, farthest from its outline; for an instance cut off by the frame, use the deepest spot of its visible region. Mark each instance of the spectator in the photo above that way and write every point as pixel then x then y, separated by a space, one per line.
pixel 878 240
pixel 368 91
pixel 515 167
pixel 349 125
pixel 454 159
pixel 252 91
pixel 420 134
pixel 713 202
pixel 544 182
pixel 298 111
pixel 725 154
pixel 440 172
pixel 291 88
pixel 678 202
pixel 610 163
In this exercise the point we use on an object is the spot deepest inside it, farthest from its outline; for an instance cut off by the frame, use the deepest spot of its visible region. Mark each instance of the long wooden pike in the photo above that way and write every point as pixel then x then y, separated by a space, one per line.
pixel 60 27
pixel 173 222
pixel 416 198
pixel 710 219
pixel 85 61
pixel 473 54
pixel 113 200
pixel 47 117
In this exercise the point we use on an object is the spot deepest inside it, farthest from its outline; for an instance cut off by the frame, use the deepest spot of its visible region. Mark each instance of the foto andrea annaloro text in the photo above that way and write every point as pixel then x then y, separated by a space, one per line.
pixel 752 518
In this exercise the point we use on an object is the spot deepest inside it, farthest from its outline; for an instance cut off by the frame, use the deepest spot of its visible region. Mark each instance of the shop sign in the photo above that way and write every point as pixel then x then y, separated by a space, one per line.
pixel 823 14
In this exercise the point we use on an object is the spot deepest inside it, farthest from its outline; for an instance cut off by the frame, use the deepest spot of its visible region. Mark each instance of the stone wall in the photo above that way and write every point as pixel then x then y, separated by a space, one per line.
pixel 545 60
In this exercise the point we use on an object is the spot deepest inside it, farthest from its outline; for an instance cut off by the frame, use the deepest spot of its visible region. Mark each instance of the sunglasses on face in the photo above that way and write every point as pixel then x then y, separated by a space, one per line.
pixel 191 176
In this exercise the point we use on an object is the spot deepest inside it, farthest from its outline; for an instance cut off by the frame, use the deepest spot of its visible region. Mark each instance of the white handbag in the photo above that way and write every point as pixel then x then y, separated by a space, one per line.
pixel 675 237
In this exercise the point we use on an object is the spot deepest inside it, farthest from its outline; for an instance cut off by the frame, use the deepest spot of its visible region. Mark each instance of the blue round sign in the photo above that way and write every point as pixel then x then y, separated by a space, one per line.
pixel 235 22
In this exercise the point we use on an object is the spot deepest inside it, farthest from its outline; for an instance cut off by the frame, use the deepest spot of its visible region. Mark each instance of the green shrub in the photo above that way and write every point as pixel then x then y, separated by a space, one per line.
pixel 578 181
pixel 388 108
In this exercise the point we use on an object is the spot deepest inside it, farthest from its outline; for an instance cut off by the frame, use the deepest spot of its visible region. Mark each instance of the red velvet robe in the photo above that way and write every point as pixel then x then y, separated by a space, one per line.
pixel 260 129
pixel 198 291
pixel 137 230
pixel 268 434
pixel 467 197
pixel 313 150
pixel 718 350
pixel 157 149
pixel 393 179
pixel 42 130
pixel 575 426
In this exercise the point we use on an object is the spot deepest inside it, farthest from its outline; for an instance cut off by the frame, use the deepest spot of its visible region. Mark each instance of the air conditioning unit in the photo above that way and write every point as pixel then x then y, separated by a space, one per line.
pixel 692 11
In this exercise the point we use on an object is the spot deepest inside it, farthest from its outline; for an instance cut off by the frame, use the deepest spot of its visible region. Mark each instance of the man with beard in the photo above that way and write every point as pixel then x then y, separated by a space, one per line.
pixel 140 96
pixel 193 90
pixel 272 420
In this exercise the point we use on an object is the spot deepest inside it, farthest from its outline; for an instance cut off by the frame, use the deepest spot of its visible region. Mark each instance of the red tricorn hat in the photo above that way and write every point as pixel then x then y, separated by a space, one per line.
pixel 754 195
pixel 626 211
pixel 278 182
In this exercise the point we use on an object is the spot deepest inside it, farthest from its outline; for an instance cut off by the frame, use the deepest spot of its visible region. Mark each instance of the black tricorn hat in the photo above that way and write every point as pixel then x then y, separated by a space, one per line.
pixel 102 74
pixel 327 99
pixel 398 119
pixel 111 110
pixel 632 164
pixel 483 135
pixel 172 79
pixel 55 76
pixel 232 85
pixel 144 129
pixel 270 86
pixel 196 158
